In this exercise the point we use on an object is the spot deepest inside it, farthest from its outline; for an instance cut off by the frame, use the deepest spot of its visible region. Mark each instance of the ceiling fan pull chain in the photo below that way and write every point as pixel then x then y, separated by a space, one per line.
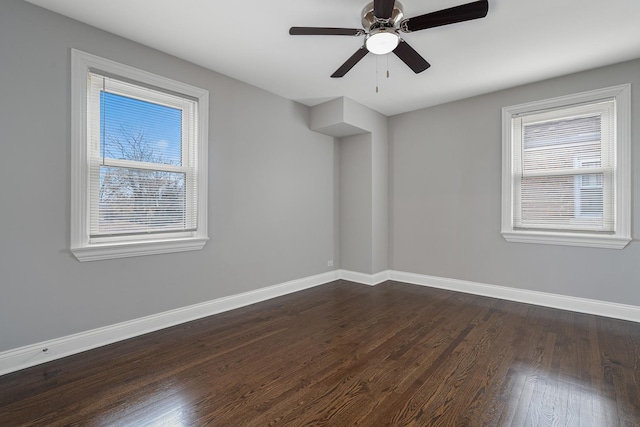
pixel 377 73
pixel 387 65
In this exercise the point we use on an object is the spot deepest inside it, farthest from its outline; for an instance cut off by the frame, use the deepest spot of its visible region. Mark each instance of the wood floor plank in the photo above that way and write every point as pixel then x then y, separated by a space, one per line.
pixel 344 354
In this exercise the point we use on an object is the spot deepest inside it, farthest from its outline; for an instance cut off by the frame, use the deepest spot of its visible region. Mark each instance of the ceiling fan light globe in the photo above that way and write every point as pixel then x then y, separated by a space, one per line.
pixel 382 42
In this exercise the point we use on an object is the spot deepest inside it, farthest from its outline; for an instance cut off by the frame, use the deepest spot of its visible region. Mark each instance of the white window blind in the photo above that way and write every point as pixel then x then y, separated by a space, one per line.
pixel 564 169
pixel 142 160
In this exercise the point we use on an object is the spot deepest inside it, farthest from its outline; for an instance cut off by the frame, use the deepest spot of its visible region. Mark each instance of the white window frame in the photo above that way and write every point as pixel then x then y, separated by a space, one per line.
pixel 81 244
pixel 622 175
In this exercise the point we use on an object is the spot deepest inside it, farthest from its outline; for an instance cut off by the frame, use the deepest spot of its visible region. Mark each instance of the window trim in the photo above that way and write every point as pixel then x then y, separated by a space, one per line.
pixel 622 180
pixel 80 244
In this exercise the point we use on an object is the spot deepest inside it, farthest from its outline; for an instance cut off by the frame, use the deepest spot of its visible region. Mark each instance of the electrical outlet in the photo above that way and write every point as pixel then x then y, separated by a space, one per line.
pixel 330 263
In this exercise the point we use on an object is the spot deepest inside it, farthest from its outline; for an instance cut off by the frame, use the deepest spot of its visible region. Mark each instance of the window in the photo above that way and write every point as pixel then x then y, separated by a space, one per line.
pixel 139 150
pixel 566 170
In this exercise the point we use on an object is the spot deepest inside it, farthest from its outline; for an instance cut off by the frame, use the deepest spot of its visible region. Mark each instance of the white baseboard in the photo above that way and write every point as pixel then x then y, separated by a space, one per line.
pixel 580 305
pixel 46 351
pixel 364 279
pixel 35 354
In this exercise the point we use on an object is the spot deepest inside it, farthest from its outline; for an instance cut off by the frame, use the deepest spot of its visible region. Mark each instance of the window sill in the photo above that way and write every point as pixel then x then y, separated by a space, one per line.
pixel 566 239
pixel 95 252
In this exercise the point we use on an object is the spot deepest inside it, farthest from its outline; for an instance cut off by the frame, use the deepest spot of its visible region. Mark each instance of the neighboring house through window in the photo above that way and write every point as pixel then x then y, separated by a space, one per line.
pixel 139 162
pixel 589 191
pixel 566 170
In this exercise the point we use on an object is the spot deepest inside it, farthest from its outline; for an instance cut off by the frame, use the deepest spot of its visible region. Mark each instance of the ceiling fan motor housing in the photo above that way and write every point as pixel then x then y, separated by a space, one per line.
pixel 382 36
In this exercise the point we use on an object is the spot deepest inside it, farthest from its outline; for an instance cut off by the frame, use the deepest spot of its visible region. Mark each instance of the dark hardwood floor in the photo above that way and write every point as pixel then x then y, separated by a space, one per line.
pixel 344 354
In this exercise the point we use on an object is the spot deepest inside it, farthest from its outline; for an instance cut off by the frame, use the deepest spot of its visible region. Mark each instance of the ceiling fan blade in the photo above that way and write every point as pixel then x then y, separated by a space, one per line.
pixel 322 31
pixel 410 57
pixel 355 58
pixel 383 8
pixel 465 12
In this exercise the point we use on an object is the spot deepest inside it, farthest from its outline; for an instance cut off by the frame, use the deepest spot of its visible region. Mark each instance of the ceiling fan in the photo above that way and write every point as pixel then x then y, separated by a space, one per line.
pixel 383 20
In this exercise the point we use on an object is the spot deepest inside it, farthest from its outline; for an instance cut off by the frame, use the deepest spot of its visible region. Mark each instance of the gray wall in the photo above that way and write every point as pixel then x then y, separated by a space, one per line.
pixel 356 203
pixel 445 183
pixel 362 190
pixel 372 189
pixel 271 190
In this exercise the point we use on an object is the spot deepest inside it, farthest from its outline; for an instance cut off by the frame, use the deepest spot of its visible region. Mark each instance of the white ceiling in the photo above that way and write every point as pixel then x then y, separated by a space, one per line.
pixel 520 41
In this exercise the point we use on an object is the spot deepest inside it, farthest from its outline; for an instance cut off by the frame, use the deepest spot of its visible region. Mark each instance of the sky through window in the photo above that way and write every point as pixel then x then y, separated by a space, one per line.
pixel 133 129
